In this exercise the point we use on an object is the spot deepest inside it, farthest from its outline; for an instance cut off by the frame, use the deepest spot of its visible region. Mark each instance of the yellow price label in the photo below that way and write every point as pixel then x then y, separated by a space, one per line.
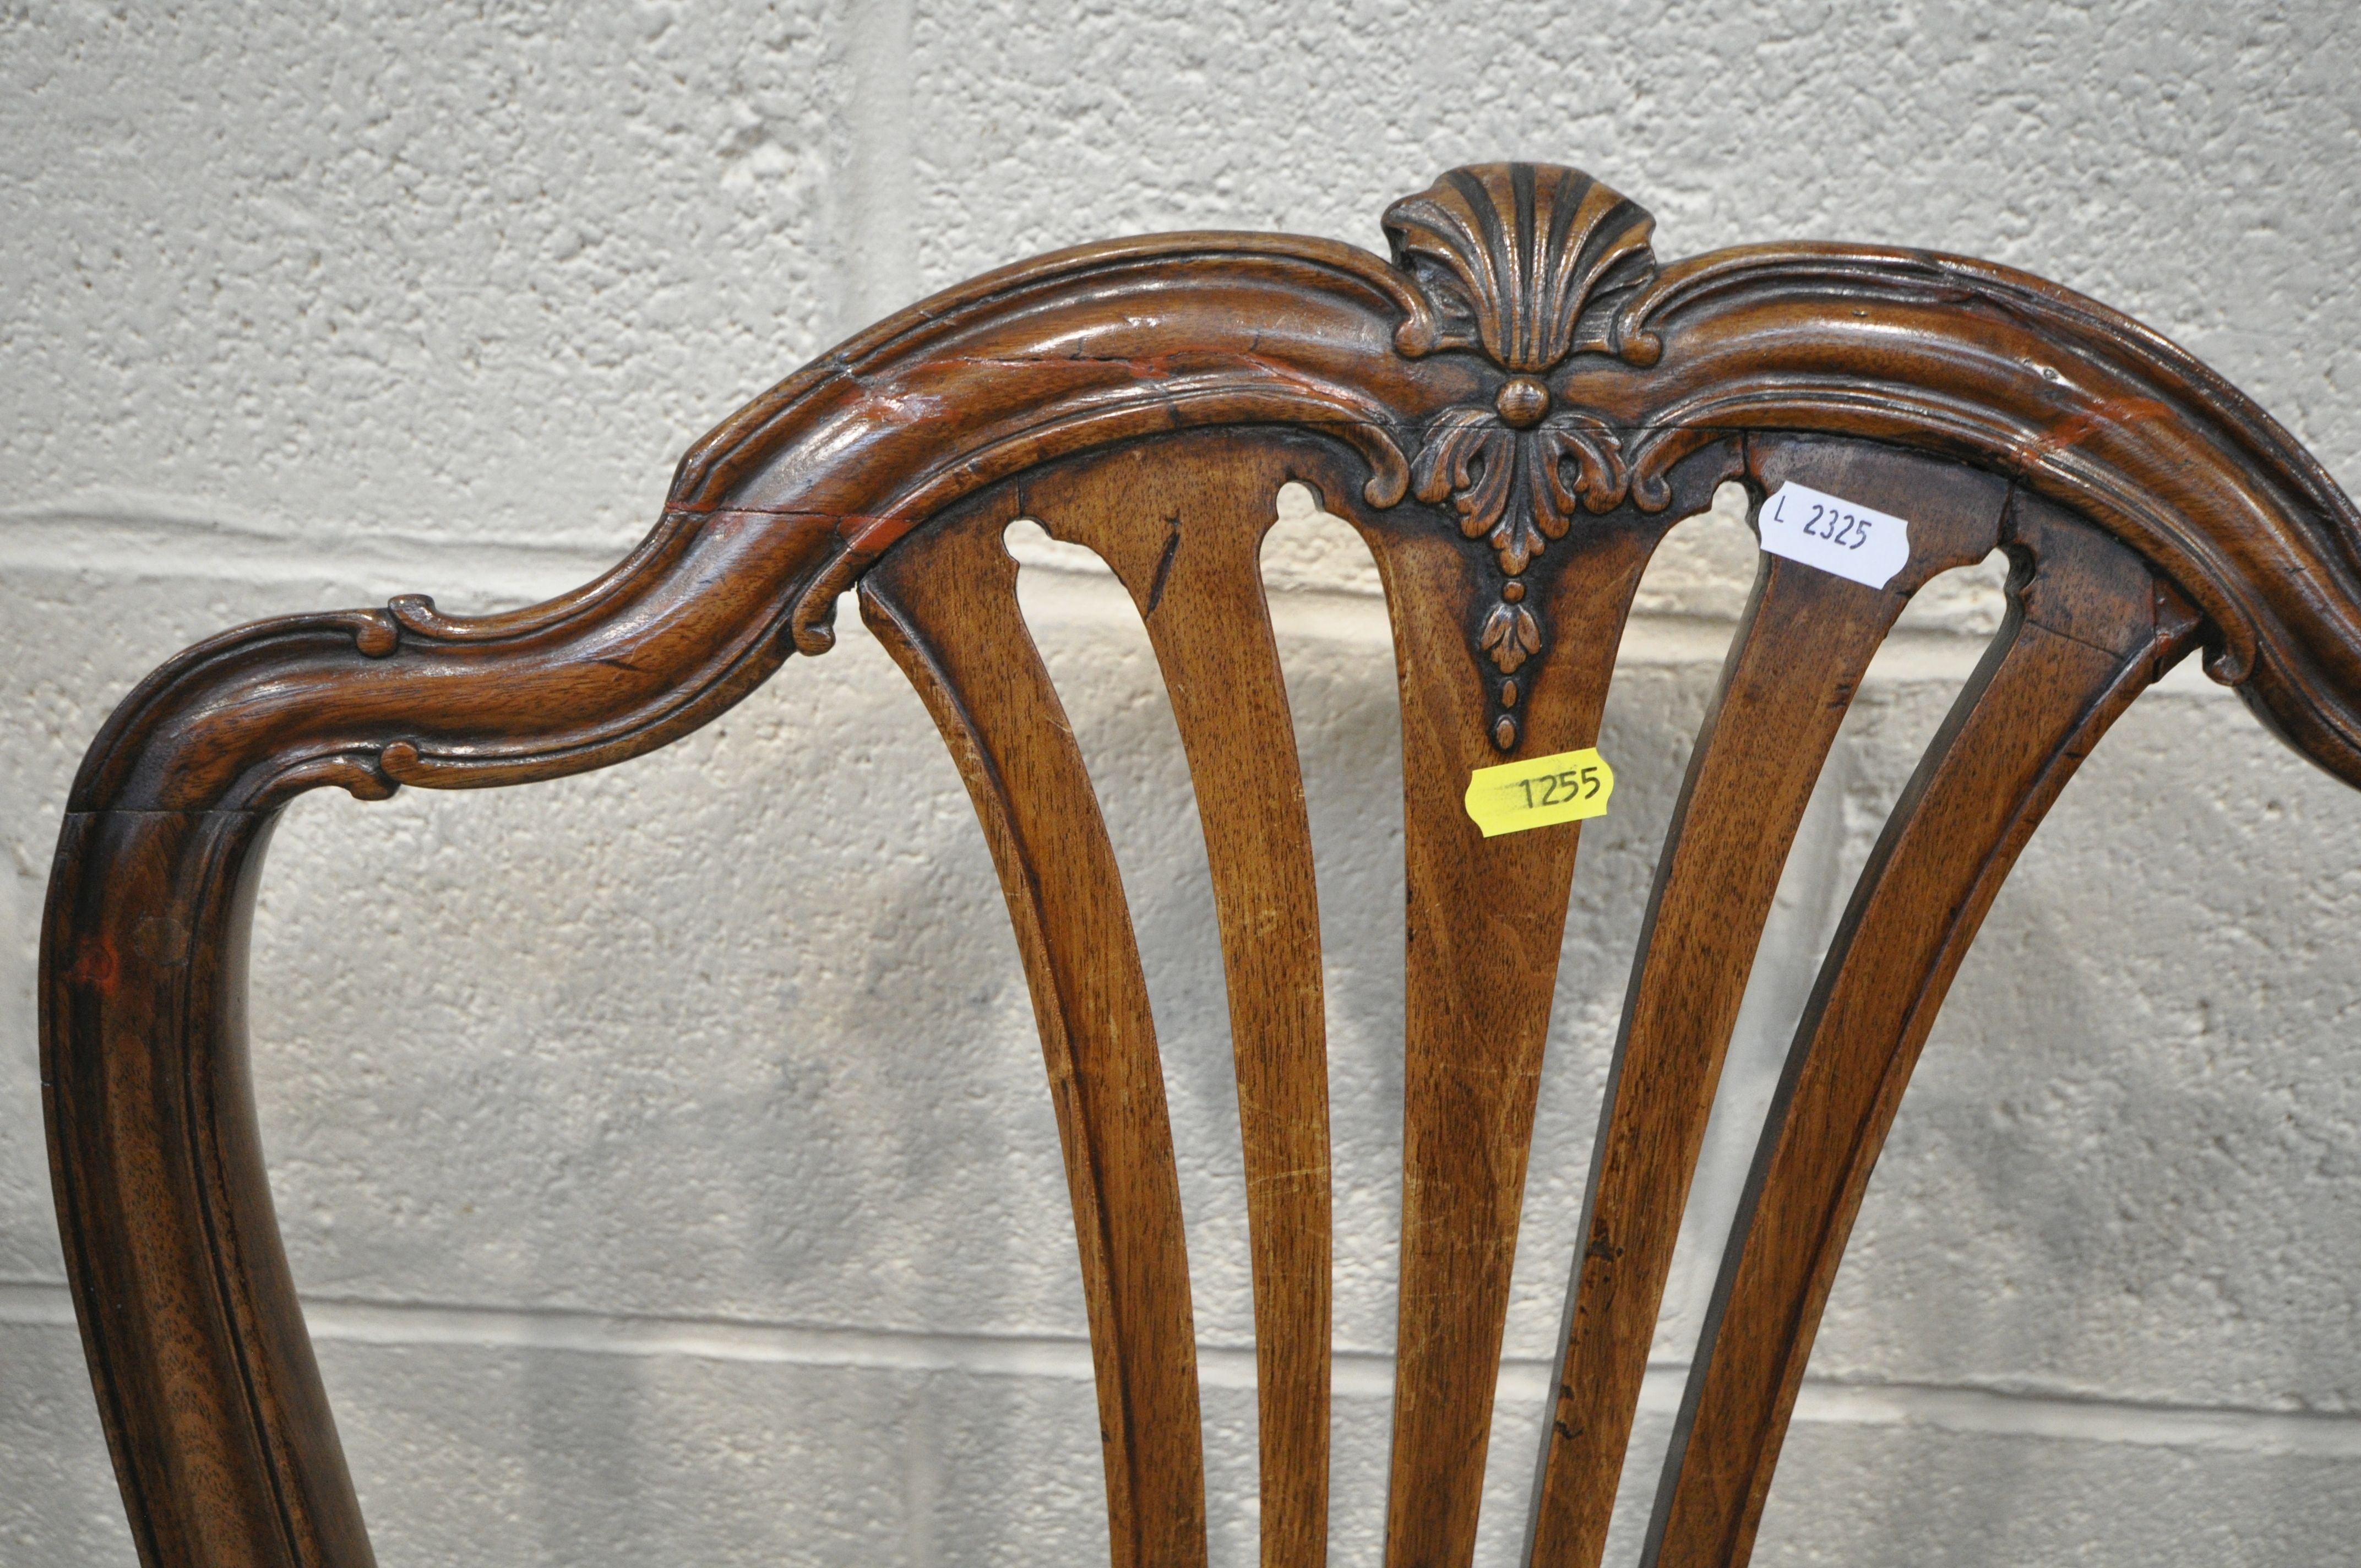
pixel 1540 791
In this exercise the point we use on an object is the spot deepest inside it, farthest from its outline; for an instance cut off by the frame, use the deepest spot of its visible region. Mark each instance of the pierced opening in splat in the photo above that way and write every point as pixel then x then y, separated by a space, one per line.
pixel 1909 686
pixel 1335 648
pixel 1088 629
pixel 1685 609
pixel 1336 656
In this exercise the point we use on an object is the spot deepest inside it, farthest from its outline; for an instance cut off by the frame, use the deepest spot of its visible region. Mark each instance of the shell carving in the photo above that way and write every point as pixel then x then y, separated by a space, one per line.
pixel 1524 264
pixel 1522 261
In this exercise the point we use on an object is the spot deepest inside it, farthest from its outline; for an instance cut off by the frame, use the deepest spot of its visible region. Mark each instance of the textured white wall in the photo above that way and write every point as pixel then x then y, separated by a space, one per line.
pixel 664 1159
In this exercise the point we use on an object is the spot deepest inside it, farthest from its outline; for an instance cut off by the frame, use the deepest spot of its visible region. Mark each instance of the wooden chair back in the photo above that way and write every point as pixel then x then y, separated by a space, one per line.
pixel 1511 410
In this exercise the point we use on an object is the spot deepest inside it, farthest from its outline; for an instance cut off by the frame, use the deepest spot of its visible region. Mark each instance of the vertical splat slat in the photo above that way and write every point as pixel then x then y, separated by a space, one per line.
pixel 1798 657
pixel 2089 631
pixel 945 605
pixel 1181 523
pixel 1486 920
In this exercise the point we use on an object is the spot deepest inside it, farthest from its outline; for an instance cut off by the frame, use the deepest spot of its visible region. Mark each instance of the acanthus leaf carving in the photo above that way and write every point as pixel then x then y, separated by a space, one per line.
pixel 1527 265
pixel 1509 485
pixel 1512 636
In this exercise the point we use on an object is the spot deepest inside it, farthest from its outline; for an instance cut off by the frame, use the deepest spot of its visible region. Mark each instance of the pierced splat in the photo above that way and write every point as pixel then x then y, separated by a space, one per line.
pixel 2091 627
pixel 946 609
pixel 1486 918
pixel 1180 522
pixel 1511 409
pixel 1799 656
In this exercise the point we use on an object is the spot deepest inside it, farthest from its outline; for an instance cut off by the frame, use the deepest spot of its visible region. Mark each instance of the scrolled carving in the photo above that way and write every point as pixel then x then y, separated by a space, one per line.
pixel 363 777
pixel 780 508
pixel 1506 478
pixel 2078 402
pixel 1523 346
pixel 1525 264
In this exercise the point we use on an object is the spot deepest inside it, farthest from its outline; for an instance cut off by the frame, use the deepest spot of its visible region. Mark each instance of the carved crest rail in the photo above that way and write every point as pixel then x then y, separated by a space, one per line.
pixel 1512 409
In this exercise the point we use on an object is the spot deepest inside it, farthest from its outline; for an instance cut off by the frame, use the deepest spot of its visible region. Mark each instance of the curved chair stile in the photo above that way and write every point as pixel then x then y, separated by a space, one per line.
pixel 1511 409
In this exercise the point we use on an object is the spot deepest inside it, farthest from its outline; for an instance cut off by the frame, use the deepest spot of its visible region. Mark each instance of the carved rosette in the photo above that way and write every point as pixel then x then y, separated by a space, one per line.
pixel 1526 265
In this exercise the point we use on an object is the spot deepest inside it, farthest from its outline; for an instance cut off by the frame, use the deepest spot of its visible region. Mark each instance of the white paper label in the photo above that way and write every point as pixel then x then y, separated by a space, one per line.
pixel 1840 536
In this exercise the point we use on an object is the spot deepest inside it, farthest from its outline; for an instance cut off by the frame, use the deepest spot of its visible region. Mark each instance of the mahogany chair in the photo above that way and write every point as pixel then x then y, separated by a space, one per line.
pixel 1511 410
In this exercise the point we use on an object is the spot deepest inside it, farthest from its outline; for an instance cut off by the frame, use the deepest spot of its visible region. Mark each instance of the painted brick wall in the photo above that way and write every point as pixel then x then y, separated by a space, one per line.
pixel 664 1159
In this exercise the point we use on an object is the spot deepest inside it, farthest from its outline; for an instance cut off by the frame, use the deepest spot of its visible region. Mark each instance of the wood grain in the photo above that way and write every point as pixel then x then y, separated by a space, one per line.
pixel 1485 923
pixel 1793 669
pixel 1181 523
pixel 945 608
pixel 204 1374
pixel 2090 628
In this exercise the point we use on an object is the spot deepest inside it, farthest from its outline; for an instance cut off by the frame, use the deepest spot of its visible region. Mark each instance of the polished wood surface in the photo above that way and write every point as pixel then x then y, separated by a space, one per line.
pixel 1189 553
pixel 1511 408
pixel 946 609
pixel 1798 658
pixel 1485 921
pixel 2090 628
